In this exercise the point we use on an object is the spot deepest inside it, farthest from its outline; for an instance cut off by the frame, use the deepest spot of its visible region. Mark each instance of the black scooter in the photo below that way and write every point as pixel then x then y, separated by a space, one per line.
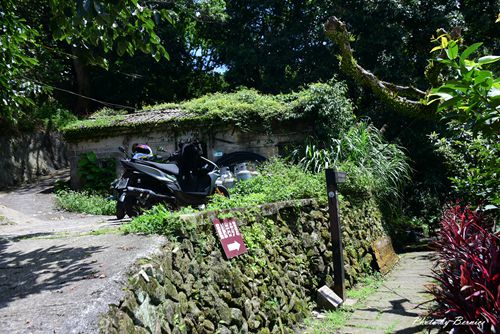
pixel 186 180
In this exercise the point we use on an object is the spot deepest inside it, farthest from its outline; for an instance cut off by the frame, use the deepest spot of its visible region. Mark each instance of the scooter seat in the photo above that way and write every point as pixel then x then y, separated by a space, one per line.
pixel 169 168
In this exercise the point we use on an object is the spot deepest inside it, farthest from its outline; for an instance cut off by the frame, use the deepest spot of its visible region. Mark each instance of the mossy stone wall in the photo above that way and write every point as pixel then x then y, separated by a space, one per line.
pixel 191 288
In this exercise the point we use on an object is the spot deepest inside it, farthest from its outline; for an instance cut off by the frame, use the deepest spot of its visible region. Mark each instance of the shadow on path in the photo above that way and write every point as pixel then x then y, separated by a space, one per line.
pixel 397 308
pixel 43 269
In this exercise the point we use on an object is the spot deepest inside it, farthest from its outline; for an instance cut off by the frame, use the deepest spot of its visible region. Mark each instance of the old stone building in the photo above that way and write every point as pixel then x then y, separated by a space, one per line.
pixel 165 128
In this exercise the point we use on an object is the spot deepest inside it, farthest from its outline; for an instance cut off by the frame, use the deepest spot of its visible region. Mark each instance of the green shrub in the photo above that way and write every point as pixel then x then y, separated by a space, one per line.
pixel 328 105
pixel 244 108
pixel 469 102
pixel 96 175
pixel 474 162
pixel 84 202
pixel 278 181
pixel 108 112
pixel 46 115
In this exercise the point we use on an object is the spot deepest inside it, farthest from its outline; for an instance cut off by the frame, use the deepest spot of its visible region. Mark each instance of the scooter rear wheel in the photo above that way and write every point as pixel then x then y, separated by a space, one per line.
pixel 221 190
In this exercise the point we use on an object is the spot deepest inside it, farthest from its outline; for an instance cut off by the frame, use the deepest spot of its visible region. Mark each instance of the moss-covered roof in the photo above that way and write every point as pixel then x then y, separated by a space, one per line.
pixel 121 123
pixel 244 109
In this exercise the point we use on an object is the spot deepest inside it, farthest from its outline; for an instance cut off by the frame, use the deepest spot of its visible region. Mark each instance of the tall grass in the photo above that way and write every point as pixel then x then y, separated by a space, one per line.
pixel 373 165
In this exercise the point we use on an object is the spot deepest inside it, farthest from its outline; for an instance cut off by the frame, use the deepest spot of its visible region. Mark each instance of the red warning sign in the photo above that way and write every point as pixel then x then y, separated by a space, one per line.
pixel 230 237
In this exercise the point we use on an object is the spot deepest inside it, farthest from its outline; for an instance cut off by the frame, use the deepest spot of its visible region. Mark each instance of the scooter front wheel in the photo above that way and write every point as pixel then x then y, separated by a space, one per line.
pixel 120 210
pixel 131 207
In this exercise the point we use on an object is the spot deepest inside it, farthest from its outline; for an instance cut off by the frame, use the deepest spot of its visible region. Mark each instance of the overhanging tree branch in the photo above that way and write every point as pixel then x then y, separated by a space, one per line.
pixel 402 98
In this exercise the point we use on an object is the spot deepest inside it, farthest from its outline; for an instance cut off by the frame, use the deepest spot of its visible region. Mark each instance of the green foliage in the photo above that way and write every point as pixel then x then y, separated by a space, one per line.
pixel 471 95
pixel 16 44
pixel 84 202
pixel 32 32
pixel 474 163
pixel 242 108
pixel 107 112
pixel 325 104
pixel 278 181
pixel 374 166
pixel 52 115
pixel 277 46
pixel 123 26
pixel 469 101
pixel 331 111
pixel 96 175
pixel 159 219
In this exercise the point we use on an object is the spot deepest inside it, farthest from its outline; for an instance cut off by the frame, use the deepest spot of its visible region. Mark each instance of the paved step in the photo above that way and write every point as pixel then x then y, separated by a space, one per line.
pixel 397 304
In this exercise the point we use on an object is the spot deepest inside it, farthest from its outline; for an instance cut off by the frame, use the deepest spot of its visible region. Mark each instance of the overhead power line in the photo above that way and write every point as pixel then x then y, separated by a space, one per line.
pixel 108 104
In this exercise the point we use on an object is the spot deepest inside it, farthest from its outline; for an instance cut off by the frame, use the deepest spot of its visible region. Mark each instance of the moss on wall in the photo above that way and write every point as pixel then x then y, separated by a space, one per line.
pixel 191 288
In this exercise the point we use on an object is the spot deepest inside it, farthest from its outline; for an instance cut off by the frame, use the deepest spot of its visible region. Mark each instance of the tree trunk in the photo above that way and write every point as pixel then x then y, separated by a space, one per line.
pixel 82 105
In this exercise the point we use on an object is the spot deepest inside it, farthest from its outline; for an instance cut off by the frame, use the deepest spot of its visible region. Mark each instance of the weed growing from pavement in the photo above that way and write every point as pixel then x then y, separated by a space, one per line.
pixel 5 221
pixel 84 202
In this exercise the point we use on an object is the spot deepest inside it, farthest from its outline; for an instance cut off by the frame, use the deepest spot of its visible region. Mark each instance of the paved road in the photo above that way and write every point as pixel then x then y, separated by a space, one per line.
pixel 395 307
pixel 57 274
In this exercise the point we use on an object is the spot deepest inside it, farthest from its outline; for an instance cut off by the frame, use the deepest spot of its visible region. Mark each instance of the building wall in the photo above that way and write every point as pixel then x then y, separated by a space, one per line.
pixel 25 156
pixel 222 140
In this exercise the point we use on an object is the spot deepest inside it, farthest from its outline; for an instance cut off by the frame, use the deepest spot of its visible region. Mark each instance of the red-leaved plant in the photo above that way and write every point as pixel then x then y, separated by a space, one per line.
pixel 468 273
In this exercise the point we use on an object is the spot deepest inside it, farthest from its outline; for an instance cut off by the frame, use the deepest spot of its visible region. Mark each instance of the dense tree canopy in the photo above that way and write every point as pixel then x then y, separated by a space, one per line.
pixel 81 55
pixel 88 30
pixel 192 47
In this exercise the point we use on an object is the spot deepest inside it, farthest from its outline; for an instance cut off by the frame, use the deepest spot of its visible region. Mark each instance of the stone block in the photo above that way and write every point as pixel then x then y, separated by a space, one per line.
pixel 327 299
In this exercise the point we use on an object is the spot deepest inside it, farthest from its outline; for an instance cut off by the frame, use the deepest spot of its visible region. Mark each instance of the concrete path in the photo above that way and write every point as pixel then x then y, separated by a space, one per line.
pixel 58 270
pixel 395 308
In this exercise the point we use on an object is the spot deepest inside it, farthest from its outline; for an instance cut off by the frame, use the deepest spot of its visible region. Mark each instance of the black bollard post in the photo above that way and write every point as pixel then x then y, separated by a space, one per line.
pixel 333 178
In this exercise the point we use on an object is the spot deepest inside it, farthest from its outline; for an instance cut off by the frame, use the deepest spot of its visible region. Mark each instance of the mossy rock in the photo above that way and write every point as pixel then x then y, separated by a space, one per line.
pixel 223 311
pixel 208 326
pixel 117 322
pixel 237 317
pixel 171 290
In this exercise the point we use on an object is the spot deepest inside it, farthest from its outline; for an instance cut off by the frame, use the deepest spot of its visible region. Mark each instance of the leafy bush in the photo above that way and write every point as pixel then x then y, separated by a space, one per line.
pixel 325 103
pixel 278 181
pixel 108 112
pixel 469 272
pixel 333 113
pixel 42 115
pixel 96 175
pixel 84 202
pixel 242 108
pixel 474 163
pixel 469 101
pixel 374 166
pixel 53 116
